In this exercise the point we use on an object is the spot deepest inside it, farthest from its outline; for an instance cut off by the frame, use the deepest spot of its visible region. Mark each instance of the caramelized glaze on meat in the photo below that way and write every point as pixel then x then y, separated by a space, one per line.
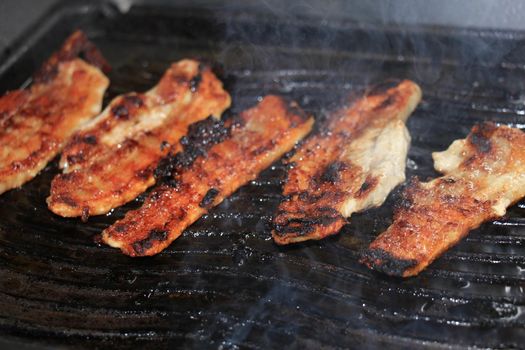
pixel 36 122
pixel 350 166
pixel 215 163
pixel 111 161
pixel 483 175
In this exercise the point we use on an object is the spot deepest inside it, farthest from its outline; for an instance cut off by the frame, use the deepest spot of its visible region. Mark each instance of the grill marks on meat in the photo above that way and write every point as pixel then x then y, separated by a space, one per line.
pixel 483 175
pixel 257 138
pixel 37 121
pixel 113 159
pixel 351 166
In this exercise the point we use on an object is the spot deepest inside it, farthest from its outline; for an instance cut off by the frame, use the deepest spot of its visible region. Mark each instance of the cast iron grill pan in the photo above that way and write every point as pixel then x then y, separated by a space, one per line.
pixel 224 284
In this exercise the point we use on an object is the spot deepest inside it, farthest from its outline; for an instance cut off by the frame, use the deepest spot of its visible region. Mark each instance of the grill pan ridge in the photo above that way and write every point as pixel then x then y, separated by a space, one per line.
pixel 224 284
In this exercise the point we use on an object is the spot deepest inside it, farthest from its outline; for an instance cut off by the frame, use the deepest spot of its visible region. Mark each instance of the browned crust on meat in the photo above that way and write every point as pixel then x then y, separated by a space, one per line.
pixel 432 217
pixel 174 88
pixel 77 45
pixel 36 122
pixel 105 176
pixel 85 146
pixel 245 146
pixel 320 179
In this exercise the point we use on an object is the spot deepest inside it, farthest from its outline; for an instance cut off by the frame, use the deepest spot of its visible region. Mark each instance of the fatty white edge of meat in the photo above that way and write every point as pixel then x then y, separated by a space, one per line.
pixel 503 189
pixel 388 152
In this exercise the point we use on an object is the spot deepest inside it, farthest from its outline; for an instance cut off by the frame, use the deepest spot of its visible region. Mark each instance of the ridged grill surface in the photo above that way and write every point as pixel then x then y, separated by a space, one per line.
pixel 224 284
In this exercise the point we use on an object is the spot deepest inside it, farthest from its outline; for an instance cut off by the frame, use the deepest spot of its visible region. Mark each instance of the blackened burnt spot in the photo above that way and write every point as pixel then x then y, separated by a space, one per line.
pixel 196 80
pixel 301 226
pixel 120 112
pixel 364 186
pixel 381 88
pixel 181 214
pixel 298 230
pixel 158 235
pixel 200 138
pixel 163 145
pixel 66 199
pixel 163 171
pixel 306 196
pixel 75 158
pixel 367 186
pixel 154 236
pixel 208 198
pixel 469 161
pixel 120 228
pixel 332 172
pixel 382 261
pixel 448 180
pixel 144 174
pixel 261 150
pixel 171 183
pixel 289 155
pixel 386 102
pixel 480 137
pixel 90 139
pixel 328 210
pixel 322 220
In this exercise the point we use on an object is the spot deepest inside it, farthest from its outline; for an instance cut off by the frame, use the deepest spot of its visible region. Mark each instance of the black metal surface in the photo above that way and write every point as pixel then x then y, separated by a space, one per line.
pixel 224 284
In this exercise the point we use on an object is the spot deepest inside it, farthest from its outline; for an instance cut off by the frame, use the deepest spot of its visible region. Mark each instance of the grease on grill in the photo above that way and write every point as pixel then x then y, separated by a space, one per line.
pixel 200 138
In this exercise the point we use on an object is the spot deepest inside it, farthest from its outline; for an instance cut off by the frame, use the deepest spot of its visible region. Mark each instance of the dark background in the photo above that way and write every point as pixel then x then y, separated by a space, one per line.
pixel 17 15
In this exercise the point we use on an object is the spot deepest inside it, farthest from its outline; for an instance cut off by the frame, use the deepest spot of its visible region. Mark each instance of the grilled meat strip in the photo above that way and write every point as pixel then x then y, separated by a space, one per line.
pixel 483 175
pixel 217 160
pixel 36 122
pixel 111 161
pixel 349 167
